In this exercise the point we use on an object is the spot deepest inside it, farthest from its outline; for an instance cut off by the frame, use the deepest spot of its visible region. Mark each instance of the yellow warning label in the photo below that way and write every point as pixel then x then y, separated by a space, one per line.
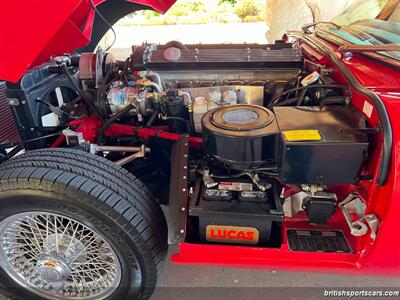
pixel 302 135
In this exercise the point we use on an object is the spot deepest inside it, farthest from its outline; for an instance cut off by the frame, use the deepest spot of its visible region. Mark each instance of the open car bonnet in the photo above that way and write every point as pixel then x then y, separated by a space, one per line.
pixel 33 31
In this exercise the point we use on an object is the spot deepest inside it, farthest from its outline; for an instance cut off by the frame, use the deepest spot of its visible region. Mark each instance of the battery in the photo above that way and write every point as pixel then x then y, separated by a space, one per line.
pixel 247 218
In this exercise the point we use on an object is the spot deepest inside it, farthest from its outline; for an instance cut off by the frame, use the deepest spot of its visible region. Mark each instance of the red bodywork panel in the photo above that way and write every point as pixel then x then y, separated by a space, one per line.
pixel 33 31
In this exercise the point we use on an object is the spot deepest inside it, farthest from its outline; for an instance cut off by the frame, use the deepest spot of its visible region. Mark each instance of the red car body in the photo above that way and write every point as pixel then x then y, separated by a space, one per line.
pixel 379 257
pixel 40 29
pixel 37 30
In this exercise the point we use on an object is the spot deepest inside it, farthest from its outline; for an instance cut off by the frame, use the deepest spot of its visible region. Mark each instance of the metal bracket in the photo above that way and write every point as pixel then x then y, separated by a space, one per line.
pixel 256 180
pixel 207 179
pixel 178 194
pixel 294 203
pixel 139 154
pixel 373 223
pixel 358 228
pixel 360 130
pixel 353 204
pixel 73 138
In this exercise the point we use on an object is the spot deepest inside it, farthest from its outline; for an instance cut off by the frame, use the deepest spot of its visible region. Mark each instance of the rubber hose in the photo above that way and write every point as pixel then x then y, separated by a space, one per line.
pixel 111 120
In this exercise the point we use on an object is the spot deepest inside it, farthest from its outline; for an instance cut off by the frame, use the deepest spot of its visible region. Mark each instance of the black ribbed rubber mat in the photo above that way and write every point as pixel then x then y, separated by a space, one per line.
pixel 330 241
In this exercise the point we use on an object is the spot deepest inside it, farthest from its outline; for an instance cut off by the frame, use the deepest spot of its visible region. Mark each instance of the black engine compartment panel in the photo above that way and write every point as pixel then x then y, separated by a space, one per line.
pixel 335 158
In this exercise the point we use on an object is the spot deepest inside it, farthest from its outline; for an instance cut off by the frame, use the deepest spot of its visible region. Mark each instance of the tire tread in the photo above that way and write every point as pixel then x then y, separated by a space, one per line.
pixel 64 170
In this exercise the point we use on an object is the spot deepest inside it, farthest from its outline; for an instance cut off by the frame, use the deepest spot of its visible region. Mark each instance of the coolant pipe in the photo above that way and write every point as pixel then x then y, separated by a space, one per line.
pixel 150 74
pixel 156 86
pixel 188 97
pixel 190 108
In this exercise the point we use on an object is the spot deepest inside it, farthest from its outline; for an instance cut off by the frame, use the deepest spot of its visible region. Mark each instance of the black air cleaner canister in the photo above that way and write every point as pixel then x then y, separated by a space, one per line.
pixel 242 136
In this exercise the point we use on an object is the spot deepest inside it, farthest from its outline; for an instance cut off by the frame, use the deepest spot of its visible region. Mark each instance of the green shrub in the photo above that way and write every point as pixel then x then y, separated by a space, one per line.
pixel 246 8
pixel 250 19
pixel 200 12
pixel 254 19
pixel 186 8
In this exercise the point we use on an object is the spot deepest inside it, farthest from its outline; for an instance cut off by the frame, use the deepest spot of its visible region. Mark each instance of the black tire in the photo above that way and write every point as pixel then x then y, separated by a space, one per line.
pixel 100 194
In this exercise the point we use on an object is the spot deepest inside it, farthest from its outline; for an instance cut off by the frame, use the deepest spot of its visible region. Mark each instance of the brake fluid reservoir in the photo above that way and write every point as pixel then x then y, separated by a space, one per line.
pixel 199 109
pixel 230 97
pixel 211 105
pixel 214 96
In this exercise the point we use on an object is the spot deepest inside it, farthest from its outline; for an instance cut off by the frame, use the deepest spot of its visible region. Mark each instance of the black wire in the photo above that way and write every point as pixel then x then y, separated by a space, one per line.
pixel 228 177
pixel 337 86
pixel 111 120
pixel 187 123
pixel 40 114
pixel 20 146
pixel 152 118
pixel 125 71
pixel 109 25
pixel 289 101
pixel 64 68
pixel 101 100
pixel 300 99
pixel 191 122
pixel 56 110
pixel 40 138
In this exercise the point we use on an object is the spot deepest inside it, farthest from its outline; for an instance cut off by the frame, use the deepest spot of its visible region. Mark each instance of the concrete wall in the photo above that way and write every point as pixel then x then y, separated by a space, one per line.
pixel 283 15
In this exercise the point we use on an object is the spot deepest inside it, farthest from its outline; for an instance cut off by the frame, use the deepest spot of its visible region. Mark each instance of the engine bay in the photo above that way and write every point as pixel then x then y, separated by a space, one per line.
pixel 239 140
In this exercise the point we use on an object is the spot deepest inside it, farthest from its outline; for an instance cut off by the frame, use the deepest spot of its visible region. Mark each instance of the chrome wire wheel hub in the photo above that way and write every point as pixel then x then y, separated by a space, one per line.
pixel 55 256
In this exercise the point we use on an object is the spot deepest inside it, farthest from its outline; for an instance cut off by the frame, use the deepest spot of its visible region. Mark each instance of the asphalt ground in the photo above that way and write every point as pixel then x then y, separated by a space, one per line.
pixel 213 283
pixel 179 282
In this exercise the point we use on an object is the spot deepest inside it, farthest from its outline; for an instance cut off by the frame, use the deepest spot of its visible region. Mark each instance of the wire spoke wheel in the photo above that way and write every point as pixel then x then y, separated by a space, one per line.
pixel 55 256
pixel 74 225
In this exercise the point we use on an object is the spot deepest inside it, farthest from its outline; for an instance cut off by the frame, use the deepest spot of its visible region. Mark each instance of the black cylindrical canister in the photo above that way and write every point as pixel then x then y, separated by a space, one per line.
pixel 243 136
pixel 175 110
